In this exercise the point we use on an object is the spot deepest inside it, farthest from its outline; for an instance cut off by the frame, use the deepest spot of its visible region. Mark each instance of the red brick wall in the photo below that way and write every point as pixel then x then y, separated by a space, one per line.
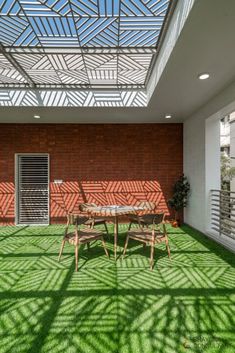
pixel 103 163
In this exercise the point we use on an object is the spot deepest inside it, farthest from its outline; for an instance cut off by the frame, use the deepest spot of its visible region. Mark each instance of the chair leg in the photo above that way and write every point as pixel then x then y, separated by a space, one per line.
pixel 151 256
pixel 130 224
pixel 61 249
pixel 92 224
pixel 168 249
pixel 76 258
pixel 125 246
pixel 104 246
pixel 88 246
pixel 106 228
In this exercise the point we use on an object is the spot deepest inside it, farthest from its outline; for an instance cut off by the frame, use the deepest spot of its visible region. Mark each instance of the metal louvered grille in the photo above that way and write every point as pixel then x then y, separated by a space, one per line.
pixel 33 189
pixel 223 212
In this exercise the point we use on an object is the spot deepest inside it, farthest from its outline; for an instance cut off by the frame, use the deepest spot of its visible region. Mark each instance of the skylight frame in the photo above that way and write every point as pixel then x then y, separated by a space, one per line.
pixel 136 15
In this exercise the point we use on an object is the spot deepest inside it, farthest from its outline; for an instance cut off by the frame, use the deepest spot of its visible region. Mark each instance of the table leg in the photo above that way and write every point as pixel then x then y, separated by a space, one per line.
pixel 115 236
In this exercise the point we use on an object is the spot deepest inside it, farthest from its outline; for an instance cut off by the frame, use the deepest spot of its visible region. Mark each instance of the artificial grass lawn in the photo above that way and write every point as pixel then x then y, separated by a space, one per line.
pixel 186 304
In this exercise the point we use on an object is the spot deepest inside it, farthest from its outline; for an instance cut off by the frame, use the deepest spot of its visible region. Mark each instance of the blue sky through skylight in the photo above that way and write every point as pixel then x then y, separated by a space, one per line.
pixel 95 27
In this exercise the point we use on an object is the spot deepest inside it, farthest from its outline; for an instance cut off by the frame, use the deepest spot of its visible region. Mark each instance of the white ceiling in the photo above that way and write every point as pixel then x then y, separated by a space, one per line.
pixel 206 44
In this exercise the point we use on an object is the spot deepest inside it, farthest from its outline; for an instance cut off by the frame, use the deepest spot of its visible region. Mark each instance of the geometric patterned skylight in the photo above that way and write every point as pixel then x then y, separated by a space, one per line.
pixel 79 44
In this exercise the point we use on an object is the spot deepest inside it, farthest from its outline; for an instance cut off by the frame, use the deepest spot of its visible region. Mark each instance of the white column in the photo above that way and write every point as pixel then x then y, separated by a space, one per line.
pixel 202 167
pixel 232 147
pixel 212 165
pixel 194 170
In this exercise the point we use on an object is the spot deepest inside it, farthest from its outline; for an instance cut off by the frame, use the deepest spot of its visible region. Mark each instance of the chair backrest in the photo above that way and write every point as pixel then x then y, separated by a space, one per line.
pixel 147 205
pixel 77 220
pixel 153 219
pixel 83 206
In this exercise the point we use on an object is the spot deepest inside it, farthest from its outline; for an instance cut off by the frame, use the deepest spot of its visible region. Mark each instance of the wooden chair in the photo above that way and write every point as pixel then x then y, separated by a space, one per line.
pixel 80 236
pixel 92 220
pixel 156 234
pixel 137 218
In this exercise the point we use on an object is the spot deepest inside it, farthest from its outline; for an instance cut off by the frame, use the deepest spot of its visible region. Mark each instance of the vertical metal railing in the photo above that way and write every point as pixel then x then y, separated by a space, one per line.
pixel 223 212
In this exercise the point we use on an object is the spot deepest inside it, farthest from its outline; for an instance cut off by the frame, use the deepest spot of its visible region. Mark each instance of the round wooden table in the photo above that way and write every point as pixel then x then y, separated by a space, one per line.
pixel 113 211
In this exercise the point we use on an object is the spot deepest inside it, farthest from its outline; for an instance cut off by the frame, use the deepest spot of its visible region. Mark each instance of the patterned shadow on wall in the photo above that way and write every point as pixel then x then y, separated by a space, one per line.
pixel 7 203
pixel 67 196
pixel 100 163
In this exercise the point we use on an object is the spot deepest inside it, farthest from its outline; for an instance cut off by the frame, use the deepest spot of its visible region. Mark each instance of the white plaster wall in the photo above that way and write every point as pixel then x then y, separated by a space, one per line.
pixel 232 147
pixel 202 167
pixel 212 164
pixel 201 155
pixel 194 169
pixel 176 25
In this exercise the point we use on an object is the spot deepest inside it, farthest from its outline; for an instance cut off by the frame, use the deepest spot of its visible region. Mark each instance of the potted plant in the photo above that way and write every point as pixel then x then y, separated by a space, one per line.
pixel 180 197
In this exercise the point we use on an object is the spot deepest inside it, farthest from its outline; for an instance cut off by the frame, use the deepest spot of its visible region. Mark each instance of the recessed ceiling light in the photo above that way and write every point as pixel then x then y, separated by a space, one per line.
pixel 168 116
pixel 203 76
pixel 36 116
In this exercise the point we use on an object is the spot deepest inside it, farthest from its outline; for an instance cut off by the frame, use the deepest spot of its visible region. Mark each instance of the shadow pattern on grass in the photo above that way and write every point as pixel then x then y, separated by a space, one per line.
pixel 186 304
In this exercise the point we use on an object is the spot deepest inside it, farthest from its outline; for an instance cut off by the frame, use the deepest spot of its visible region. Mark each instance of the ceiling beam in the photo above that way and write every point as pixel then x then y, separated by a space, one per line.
pixel 17 66
pixel 55 87
pixel 81 50
pixel 162 35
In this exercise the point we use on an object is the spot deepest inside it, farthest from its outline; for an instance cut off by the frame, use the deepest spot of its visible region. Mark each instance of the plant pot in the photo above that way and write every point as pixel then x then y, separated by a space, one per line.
pixel 174 224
